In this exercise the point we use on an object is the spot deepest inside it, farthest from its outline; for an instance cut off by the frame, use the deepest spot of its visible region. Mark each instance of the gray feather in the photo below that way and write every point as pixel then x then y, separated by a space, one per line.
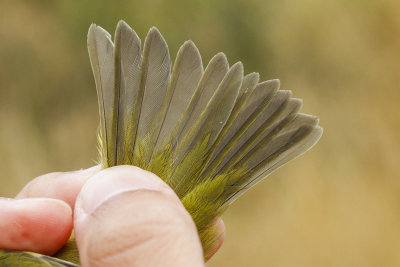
pixel 206 129
pixel 128 60
pixel 260 126
pixel 155 71
pixel 281 157
pixel 248 111
pixel 186 74
pixel 209 82
pixel 101 53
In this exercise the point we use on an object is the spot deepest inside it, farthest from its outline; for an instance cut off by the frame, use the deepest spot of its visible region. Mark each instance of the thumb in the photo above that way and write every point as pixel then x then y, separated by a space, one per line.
pixel 125 216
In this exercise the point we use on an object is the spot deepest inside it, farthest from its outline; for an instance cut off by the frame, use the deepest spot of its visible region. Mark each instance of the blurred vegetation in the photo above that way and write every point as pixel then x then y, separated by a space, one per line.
pixel 338 205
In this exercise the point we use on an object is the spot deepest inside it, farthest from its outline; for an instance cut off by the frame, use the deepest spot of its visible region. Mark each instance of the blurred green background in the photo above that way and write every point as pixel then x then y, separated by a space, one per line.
pixel 338 205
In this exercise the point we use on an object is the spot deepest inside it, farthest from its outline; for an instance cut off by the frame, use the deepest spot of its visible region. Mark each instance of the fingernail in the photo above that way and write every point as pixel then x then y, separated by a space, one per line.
pixel 30 204
pixel 113 181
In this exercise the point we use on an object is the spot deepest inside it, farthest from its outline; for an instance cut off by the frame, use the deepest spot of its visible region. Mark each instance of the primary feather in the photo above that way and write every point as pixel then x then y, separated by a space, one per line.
pixel 127 63
pixel 210 134
pixel 101 54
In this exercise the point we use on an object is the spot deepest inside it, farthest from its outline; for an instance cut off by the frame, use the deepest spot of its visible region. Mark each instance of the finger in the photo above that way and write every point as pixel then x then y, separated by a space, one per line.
pixel 38 224
pixel 59 185
pixel 127 216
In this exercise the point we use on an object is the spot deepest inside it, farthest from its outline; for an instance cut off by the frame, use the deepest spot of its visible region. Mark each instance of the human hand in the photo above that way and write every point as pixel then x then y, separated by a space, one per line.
pixel 122 216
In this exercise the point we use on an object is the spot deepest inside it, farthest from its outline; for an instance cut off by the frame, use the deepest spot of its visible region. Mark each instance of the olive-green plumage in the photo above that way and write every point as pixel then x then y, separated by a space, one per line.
pixel 18 258
pixel 209 133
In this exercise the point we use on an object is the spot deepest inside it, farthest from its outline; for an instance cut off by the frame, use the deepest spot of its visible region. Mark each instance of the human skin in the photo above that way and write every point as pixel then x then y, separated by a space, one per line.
pixel 121 216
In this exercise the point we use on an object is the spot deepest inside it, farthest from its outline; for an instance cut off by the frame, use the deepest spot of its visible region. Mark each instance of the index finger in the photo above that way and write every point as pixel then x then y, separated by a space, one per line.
pixel 58 185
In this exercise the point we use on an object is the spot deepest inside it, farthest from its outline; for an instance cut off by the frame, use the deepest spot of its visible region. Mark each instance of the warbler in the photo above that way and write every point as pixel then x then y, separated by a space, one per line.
pixel 210 133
